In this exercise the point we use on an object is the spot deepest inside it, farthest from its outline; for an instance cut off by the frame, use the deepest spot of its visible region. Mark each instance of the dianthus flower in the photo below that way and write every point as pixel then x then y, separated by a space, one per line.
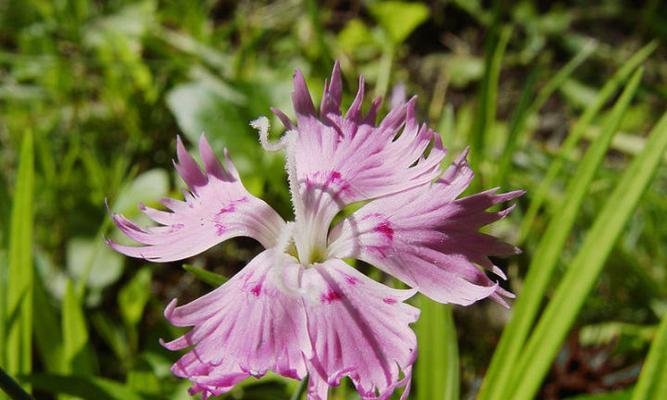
pixel 297 308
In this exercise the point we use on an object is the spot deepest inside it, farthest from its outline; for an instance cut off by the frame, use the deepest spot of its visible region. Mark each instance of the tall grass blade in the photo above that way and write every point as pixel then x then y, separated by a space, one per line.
pixel 545 259
pixel 526 110
pixel 653 378
pixel 12 388
pixel 577 131
pixel 76 355
pixel 437 375
pixel 583 272
pixel 48 336
pixel 486 112
pixel 21 272
pixel 85 387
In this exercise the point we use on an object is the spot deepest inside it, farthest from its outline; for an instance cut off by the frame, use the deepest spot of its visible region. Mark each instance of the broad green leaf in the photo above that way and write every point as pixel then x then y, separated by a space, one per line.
pixel 582 274
pixel 133 297
pixel 143 382
pixel 652 382
pixel 354 35
pixel 77 358
pixel 608 90
pixel 398 18
pixel 148 186
pixel 547 254
pixel 83 387
pixel 107 265
pixel 437 375
pixel 19 308
pixel 463 69
pixel 205 276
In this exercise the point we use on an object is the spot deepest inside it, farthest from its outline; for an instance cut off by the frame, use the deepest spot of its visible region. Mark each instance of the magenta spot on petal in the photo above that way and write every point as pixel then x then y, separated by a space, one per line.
pixel 231 207
pixel 385 228
pixel 227 209
pixel 351 280
pixel 330 296
pixel 372 215
pixel 175 227
pixel 380 251
pixel 256 290
pixel 389 300
pixel 219 229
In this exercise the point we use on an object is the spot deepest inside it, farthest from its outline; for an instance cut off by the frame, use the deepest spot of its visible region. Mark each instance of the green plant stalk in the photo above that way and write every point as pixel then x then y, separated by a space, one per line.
pixel 538 196
pixel 486 113
pixel 437 374
pixel 517 132
pixel 21 271
pixel 211 278
pixel 545 259
pixel 582 274
pixel 652 382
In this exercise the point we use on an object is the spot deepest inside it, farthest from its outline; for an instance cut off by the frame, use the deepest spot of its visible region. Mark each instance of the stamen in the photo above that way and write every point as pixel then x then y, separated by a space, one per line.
pixel 285 237
pixel 262 125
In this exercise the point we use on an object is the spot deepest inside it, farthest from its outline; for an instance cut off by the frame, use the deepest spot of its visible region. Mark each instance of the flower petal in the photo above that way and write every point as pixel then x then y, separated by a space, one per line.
pixel 349 158
pixel 335 160
pixel 244 328
pixel 358 328
pixel 216 208
pixel 429 239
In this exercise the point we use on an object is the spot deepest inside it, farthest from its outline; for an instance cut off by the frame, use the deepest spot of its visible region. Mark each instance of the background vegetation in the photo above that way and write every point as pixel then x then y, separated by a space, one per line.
pixel 565 99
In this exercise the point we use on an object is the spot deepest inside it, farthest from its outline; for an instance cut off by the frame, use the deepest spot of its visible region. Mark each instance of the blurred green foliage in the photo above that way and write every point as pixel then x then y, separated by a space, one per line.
pixel 93 94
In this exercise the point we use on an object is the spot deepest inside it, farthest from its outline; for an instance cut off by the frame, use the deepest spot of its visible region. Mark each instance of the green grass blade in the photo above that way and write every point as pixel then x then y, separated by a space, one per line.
pixel 545 259
pixel 577 131
pixel 76 355
pixel 21 271
pixel 437 374
pixel 48 337
pixel 517 124
pixel 653 378
pixel 12 388
pixel 486 112
pixel 525 110
pixel 3 306
pixel 582 274
pixel 83 387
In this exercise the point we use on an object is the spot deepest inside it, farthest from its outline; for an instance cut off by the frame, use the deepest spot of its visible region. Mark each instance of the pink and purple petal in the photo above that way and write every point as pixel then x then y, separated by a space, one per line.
pixel 429 239
pixel 246 327
pixel 358 328
pixel 216 208
pixel 344 159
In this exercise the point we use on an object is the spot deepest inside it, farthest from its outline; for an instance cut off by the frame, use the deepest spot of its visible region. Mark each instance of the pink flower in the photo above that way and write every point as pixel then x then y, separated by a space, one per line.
pixel 297 309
